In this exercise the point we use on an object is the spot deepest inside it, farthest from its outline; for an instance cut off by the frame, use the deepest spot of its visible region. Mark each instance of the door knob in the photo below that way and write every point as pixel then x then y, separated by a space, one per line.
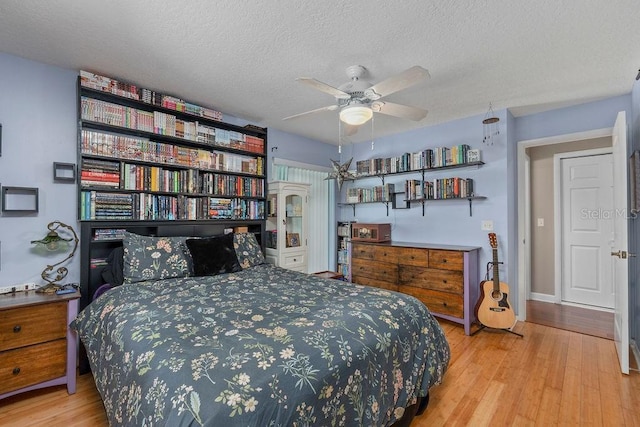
pixel 620 254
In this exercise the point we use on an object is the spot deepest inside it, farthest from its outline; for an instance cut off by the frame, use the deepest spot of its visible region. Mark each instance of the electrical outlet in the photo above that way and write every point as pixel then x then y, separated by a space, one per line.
pixel 17 288
pixel 487 225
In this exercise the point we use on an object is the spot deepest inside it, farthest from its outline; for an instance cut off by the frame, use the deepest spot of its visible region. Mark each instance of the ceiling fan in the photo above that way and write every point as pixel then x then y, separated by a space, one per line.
pixel 359 99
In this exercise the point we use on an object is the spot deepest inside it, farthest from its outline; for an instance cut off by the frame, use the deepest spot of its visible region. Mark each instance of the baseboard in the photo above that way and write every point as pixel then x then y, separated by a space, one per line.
pixel 542 297
pixel 636 355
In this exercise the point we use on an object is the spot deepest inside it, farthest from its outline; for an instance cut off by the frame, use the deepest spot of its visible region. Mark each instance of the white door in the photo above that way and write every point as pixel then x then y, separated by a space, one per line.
pixel 619 245
pixel 587 210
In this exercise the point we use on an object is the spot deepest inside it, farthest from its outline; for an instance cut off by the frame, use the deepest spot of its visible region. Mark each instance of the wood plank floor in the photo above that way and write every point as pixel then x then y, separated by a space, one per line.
pixel 549 377
pixel 577 319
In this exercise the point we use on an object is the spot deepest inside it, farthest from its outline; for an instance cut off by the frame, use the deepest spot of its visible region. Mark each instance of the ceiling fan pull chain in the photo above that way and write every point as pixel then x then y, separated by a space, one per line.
pixel 372 140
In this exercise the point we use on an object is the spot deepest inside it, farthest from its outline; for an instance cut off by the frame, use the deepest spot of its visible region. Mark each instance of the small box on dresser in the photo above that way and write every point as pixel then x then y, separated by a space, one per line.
pixel 37 347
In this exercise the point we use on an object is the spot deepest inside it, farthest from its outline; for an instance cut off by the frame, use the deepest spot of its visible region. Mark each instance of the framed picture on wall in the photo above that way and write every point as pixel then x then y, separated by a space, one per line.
pixel 634 181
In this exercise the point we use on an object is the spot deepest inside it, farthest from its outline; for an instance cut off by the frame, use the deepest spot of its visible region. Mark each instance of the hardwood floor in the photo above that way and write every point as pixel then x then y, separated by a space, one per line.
pixel 591 322
pixel 549 377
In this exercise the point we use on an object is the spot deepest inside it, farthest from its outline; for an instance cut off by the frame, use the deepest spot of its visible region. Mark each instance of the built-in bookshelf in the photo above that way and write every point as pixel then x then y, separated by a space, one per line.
pixel 154 164
pixel 417 190
pixel 151 156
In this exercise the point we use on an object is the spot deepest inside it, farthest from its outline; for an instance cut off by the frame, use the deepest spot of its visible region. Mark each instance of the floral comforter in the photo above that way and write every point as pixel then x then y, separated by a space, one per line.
pixel 261 347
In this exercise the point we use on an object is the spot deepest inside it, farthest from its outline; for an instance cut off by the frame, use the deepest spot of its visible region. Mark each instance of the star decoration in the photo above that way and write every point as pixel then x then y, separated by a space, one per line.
pixel 341 172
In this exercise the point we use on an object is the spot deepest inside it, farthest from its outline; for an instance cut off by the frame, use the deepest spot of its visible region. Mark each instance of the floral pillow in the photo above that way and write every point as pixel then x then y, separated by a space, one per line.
pixel 248 250
pixel 153 258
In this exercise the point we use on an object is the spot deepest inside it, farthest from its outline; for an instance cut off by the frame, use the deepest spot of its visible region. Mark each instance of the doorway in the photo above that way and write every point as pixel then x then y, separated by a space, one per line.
pixel 537 253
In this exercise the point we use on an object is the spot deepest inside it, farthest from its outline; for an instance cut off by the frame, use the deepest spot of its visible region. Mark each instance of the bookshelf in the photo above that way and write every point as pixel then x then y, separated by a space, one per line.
pixel 417 190
pixel 155 164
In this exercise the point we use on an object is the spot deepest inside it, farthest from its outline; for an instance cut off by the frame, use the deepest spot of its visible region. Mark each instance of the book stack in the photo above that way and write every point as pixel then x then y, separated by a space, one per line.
pixel 98 205
pixel 452 188
pixel 141 149
pixel 220 208
pixel 425 159
pixel 100 173
pixel 173 103
pixel 108 233
pixel 106 84
pixel 221 185
pixel 380 193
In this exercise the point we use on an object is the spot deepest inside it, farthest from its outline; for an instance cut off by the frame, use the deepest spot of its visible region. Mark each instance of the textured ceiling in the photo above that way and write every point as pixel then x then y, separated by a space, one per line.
pixel 243 57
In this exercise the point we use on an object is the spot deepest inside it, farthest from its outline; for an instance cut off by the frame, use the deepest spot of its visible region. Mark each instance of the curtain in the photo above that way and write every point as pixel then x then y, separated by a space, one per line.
pixel 321 214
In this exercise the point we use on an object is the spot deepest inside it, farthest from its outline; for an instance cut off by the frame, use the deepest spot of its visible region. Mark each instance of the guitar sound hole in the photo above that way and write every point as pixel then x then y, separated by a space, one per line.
pixel 497 295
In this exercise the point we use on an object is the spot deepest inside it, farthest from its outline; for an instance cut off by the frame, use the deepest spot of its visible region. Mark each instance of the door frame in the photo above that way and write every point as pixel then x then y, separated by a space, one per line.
pixel 557 213
pixel 524 205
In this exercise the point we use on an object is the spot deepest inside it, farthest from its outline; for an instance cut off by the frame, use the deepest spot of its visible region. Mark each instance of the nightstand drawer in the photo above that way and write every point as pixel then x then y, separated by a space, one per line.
pixel 24 326
pixel 33 364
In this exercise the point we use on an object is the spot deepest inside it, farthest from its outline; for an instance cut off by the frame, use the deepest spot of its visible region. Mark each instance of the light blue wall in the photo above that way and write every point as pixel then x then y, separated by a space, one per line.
pixel 445 222
pixel 579 118
pixel 39 126
pixel 38 116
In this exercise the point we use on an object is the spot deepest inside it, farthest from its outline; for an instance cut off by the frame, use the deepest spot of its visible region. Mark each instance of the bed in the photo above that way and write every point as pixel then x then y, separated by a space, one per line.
pixel 250 344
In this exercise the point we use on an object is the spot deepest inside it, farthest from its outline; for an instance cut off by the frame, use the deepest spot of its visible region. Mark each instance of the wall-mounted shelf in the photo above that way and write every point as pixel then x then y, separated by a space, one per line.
pixel 64 172
pixel 20 199
pixel 470 199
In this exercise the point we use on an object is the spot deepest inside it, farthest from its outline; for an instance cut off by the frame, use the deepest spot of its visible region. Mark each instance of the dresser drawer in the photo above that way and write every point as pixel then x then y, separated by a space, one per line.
pixel 437 301
pixel 413 256
pixel 24 326
pixel 33 364
pixel 431 278
pixel 381 253
pixel 375 270
pixel 376 283
pixel 448 260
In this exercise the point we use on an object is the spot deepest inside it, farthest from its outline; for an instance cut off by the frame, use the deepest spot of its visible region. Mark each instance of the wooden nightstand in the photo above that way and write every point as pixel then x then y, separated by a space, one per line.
pixel 37 347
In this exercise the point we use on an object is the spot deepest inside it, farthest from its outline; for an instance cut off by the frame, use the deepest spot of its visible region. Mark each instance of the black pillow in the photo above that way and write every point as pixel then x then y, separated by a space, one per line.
pixel 213 255
pixel 112 272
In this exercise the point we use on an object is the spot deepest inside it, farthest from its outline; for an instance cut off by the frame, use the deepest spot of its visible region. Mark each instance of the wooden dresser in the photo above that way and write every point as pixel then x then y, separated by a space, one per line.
pixel 444 277
pixel 37 347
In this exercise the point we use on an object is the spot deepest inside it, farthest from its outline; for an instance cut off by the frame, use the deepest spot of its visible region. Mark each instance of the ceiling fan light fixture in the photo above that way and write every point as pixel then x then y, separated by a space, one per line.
pixel 355 114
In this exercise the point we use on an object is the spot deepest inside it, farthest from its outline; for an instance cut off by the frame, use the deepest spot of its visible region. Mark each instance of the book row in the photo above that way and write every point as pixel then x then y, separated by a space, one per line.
pixel 97 205
pixel 142 149
pixel 107 84
pixel 109 233
pixel 445 188
pixel 425 159
pixel 166 124
pixel 380 193
pixel 126 176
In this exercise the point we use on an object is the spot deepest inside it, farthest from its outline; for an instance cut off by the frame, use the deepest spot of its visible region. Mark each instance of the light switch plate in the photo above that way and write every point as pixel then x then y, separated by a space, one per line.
pixel 540 222
pixel 487 225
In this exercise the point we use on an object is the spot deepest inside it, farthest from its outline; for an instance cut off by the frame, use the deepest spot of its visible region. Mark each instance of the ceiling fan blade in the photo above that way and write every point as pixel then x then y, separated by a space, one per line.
pixel 399 110
pixel 323 87
pixel 396 83
pixel 317 110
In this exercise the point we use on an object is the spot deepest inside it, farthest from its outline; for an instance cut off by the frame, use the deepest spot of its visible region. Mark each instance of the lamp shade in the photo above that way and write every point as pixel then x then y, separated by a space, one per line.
pixel 355 114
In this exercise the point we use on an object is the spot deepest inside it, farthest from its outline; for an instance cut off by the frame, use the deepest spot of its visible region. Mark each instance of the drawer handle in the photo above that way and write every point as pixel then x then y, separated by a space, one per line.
pixel 444 304
pixel 17 329
pixel 294 260
pixel 412 257
pixel 444 260
pixel 16 371
pixel 444 281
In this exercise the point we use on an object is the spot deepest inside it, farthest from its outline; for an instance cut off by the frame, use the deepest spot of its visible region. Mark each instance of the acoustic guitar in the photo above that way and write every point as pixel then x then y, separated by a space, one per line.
pixel 494 309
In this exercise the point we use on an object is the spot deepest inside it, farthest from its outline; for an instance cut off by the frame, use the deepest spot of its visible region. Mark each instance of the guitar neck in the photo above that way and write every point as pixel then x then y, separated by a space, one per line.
pixel 496 277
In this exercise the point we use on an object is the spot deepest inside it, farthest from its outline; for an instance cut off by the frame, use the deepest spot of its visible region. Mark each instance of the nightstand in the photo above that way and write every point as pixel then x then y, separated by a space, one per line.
pixel 37 347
